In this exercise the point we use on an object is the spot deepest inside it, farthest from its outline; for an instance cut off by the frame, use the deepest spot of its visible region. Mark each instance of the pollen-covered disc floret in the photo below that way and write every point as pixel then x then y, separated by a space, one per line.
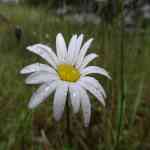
pixel 67 73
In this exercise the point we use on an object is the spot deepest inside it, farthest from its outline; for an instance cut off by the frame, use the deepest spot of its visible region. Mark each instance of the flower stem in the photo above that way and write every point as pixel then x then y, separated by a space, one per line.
pixel 68 128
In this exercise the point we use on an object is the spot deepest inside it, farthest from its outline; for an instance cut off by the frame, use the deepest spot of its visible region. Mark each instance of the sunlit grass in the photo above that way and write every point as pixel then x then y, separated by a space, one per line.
pixel 19 129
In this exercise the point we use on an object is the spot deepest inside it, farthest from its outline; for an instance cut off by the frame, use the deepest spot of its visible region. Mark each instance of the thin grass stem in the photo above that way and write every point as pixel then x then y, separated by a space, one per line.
pixel 121 100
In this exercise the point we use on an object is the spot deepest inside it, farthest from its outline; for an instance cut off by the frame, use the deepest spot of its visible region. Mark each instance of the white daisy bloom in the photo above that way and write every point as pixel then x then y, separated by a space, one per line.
pixel 66 74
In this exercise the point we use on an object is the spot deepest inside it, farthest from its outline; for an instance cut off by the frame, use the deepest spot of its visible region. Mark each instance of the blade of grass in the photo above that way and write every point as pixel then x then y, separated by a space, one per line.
pixel 121 100
pixel 137 101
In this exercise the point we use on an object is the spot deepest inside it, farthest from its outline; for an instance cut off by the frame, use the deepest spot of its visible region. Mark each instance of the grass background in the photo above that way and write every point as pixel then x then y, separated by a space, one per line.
pixel 21 129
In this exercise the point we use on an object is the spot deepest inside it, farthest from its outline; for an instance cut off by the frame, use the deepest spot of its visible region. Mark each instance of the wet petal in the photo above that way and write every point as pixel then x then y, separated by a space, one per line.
pixel 92 90
pixel 42 93
pixel 78 46
pixel 79 43
pixel 37 67
pixel 90 81
pixel 41 77
pixel 45 52
pixel 87 60
pixel 75 97
pixel 72 49
pixel 95 70
pixel 83 52
pixel 60 100
pixel 86 106
pixel 61 47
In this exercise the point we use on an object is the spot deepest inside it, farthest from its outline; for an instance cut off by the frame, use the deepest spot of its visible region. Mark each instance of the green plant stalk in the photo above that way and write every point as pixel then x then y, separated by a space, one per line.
pixel 68 128
pixel 121 100
pixel 137 100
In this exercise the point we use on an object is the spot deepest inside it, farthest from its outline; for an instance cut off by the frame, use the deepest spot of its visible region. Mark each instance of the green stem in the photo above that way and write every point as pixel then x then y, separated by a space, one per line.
pixel 68 128
pixel 121 103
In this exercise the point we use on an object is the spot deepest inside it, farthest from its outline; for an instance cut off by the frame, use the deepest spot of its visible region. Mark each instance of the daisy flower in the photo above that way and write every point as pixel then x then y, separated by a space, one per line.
pixel 67 74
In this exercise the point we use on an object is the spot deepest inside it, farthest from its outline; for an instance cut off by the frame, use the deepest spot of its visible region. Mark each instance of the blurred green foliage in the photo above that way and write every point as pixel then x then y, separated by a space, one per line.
pixel 36 2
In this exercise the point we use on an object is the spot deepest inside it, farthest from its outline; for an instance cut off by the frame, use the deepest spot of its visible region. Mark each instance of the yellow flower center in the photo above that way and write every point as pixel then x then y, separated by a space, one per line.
pixel 68 73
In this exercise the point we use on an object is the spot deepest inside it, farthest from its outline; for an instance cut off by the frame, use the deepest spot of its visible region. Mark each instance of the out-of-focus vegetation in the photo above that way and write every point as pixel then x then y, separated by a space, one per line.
pixel 22 129
pixel 136 13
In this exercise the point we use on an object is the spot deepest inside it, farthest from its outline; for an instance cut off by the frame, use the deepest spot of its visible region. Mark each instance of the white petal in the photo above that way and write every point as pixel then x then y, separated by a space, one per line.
pixel 79 43
pixel 51 52
pixel 75 97
pixel 94 69
pixel 61 47
pixel 37 67
pixel 90 81
pixel 42 93
pixel 72 49
pixel 45 52
pixel 83 52
pixel 78 46
pixel 92 90
pixel 86 106
pixel 41 77
pixel 88 59
pixel 60 100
